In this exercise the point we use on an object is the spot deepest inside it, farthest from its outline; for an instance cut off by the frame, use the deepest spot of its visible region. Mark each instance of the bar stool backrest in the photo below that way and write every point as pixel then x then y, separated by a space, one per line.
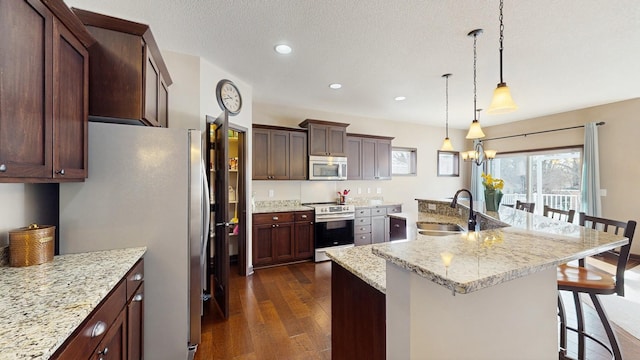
pixel 528 207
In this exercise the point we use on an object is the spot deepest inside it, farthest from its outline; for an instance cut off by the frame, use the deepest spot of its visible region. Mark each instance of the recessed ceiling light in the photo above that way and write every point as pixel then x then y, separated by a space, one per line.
pixel 400 98
pixel 283 49
pixel 335 86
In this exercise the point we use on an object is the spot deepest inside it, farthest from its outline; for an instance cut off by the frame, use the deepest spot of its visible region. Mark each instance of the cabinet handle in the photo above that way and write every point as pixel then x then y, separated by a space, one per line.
pixel 277 225
pixel 98 329
pixel 136 277
pixel 304 216
pixel 3 167
pixel 60 172
pixel 311 222
pixel 275 218
pixel 362 229
pixel 138 297
pixel 396 225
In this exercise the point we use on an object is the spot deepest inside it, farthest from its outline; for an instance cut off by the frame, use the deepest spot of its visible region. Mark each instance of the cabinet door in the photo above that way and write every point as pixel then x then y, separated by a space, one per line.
pixel 379 229
pixel 283 242
pixel 163 103
pixel 304 240
pixel 114 344
pixel 318 140
pixel 368 159
pixel 397 228
pixel 260 157
pixel 25 90
pixel 337 137
pixel 151 80
pixel 383 159
pixel 135 337
pixel 70 104
pixel 298 156
pixel 354 158
pixel 262 244
pixel 279 155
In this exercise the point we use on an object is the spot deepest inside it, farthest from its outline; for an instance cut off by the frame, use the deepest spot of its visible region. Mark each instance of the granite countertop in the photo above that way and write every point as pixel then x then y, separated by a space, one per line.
pixel 527 244
pixel 281 208
pixel 43 304
pixel 361 262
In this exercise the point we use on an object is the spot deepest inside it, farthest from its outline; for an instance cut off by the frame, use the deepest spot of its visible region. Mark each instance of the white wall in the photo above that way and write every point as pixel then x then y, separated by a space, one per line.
pixel 23 204
pixel 401 189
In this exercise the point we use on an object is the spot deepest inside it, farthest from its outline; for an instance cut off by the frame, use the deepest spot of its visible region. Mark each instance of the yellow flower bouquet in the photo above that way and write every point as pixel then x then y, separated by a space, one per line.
pixel 492 191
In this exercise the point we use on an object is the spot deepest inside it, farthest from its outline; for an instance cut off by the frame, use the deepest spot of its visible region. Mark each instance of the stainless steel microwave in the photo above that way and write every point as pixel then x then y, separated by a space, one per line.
pixel 327 168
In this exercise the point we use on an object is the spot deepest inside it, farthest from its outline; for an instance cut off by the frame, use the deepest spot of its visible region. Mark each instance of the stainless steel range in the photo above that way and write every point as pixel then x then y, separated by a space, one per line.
pixel 333 228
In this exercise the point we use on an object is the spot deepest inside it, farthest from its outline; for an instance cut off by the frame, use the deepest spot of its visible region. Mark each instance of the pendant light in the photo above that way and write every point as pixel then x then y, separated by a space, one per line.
pixel 446 144
pixel 475 131
pixel 502 102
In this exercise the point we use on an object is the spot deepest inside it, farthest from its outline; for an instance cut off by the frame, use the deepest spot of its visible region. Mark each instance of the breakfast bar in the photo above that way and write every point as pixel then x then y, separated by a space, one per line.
pixel 489 294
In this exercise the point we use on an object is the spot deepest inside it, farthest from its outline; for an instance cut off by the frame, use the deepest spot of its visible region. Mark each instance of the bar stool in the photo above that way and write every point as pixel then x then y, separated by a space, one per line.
pixel 528 207
pixel 580 279
pixel 559 214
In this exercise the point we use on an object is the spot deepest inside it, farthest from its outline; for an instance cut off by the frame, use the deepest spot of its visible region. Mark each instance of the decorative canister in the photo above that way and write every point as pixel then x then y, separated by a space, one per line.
pixel 31 245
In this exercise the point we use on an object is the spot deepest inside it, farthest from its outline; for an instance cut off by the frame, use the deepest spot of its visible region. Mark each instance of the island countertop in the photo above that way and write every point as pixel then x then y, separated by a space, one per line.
pixel 43 304
pixel 528 244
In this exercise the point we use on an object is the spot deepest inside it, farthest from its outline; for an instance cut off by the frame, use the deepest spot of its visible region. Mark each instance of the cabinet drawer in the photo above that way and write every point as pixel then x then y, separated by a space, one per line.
pixel 302 216
pixel 363 212
pixel 394 209
pixel 362 229
pixel 362 221
pixel 362 239
pixel 134 278
pixel 272 218
pixel 378 211
pixel 92 331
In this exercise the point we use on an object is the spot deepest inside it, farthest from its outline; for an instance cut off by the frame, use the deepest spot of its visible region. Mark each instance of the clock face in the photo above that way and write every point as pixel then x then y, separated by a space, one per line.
pixel 229 97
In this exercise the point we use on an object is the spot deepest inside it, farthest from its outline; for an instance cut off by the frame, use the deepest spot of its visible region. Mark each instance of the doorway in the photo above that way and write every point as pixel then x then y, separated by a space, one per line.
pixel 226 149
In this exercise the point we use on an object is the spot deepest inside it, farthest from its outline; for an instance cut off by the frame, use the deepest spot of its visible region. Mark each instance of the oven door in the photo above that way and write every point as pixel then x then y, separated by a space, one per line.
pixel 333 233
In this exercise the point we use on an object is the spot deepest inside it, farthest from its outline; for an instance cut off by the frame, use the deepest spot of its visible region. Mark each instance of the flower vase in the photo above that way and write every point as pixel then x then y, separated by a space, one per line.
pixel 492 199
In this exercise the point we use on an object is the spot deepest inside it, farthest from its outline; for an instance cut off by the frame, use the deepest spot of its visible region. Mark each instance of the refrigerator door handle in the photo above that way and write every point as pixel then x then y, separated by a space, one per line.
pixel 206 223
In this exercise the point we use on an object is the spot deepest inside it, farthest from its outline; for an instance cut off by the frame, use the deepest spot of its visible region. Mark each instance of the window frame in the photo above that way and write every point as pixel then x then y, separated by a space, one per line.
pixel 413 161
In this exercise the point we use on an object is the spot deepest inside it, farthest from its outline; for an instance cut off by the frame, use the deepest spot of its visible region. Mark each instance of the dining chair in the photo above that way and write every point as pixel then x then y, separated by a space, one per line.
pixel 559 214
pixel 528 207
pixel 594 282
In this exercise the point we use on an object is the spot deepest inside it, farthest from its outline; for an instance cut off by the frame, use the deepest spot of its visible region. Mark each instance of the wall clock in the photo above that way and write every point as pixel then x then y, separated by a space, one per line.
pixel 228 96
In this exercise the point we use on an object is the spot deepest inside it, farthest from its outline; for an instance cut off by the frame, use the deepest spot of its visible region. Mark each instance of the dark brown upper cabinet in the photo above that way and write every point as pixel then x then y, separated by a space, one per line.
pixel 128 77
pixel 279 153
pixel 369 157
pixel 326 138
pixel 44 66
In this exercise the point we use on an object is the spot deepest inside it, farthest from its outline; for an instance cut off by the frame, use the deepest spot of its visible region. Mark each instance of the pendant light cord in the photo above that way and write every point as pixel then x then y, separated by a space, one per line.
pixel 447 103
pixel 475 57
pixel 501 38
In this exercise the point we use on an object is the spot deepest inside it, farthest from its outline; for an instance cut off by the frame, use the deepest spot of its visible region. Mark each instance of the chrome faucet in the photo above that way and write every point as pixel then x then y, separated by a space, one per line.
pixel 471 226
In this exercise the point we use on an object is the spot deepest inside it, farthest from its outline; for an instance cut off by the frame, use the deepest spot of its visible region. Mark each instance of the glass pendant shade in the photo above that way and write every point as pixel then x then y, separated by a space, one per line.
pixel 446 145
pixel 490 154
pixel 475 131
pixel 502 101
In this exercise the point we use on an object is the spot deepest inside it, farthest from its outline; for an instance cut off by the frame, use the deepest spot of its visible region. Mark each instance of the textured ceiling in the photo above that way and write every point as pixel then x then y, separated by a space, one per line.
pixel 559 55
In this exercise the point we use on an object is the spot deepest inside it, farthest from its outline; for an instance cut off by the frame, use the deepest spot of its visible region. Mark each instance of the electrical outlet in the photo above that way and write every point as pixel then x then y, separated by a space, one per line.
pixel 603 192
pixel 359 191
pixel 368 190
pixel 378 190
pixel 270 193
pixel 431 206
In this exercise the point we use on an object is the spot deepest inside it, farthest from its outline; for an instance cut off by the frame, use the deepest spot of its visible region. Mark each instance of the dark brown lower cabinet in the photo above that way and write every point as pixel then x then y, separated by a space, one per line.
pixel 114 344
pixel 358 317
pixel 135 315
pixel 282 237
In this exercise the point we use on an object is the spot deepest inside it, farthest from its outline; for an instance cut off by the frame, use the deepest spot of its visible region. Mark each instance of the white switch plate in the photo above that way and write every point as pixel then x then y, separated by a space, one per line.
pixel 368 190
pixel 359 191
pixel 378 190
pixel 603 192
pixel 431 206
pixel 271 193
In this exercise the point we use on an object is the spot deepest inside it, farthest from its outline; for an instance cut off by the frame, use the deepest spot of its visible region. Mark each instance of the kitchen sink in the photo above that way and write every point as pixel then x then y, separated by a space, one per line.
pixel 438 229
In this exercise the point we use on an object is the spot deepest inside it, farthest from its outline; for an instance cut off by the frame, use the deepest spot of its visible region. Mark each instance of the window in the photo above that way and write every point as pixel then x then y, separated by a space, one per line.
pixel 550 177
pixel 403 161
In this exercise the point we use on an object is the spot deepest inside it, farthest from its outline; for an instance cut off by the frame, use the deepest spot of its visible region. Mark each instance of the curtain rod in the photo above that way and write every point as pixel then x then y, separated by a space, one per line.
pixel 540 132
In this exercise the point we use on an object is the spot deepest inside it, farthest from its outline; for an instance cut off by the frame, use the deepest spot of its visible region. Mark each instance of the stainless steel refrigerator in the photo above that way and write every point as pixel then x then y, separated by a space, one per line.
pixel 145 188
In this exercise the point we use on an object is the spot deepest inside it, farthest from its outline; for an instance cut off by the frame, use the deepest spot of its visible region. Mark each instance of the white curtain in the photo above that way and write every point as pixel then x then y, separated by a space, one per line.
pixel 590 193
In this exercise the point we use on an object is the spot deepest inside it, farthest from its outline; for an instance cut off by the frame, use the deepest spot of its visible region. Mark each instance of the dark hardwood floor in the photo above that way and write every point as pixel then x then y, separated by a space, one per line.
pixel 285 313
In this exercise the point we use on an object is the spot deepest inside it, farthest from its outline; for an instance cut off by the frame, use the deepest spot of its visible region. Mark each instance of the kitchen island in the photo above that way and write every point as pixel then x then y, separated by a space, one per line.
pixel 43 304
pixel 488 294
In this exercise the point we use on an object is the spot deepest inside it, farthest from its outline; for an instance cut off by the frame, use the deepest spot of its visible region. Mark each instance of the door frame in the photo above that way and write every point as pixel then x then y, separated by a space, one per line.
pixel 241 193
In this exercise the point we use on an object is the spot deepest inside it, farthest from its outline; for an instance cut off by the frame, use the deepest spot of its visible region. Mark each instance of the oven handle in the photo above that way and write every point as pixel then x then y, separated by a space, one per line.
pixel 327 218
